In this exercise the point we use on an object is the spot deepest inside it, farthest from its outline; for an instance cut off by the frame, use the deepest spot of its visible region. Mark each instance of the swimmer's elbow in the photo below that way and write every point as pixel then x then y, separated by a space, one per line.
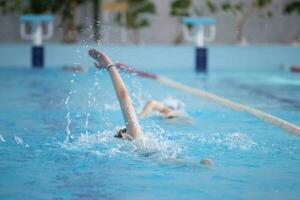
pixel 151 102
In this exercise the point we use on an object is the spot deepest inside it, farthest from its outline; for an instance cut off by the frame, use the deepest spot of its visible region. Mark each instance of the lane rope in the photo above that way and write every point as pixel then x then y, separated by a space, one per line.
pixel 287 126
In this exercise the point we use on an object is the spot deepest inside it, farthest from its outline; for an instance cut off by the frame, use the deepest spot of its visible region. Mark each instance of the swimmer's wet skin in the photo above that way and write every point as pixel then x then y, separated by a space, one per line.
pixel 132 130
pixel 168 112
pixel 128 111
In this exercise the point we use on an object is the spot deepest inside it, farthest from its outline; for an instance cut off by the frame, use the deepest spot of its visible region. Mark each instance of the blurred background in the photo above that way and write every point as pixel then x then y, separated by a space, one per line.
pixel 156 21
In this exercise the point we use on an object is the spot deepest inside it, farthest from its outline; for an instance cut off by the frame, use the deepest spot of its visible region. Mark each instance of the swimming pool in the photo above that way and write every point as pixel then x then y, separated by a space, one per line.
pixel 56 138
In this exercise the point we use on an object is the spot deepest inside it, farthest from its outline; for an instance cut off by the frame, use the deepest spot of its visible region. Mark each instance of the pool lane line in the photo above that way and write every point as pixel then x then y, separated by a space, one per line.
pixel 287 126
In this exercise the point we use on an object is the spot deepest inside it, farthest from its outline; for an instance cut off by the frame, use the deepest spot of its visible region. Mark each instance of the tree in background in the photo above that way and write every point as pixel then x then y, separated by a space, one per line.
pixel 180 8
pixel 66 9
pixel 134 16
pixel 243 10
pixel 10 6
pixel 290 8
pixel 37 7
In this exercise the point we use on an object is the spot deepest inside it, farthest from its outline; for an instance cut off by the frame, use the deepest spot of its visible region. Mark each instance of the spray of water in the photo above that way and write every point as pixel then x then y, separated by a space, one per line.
pixel 20 142
pixel 155 143
pixel 68 115
pixel 2 138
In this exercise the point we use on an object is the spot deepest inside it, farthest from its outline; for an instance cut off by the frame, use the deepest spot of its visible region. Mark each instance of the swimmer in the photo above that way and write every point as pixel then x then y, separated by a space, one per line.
pixel 132 130
pixel 153 105
pixel 207 162
pixel 170 112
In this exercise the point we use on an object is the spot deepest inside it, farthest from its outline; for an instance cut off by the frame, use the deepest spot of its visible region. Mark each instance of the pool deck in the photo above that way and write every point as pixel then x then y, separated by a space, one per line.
pixel 149 56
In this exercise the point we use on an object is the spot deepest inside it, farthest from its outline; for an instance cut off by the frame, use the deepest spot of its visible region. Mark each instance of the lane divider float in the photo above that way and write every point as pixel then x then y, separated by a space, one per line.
pixel 287 126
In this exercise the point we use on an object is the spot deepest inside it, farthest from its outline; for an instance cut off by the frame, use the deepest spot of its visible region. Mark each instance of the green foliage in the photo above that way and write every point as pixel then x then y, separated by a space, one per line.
pixel 228 6
pixel 38 6
pixel 65 7
pixel 133 15
pixel 292 7
pixel 262 3
pixel 269 14
pixel 10 6
pixel 242 9
pixel 180 7
pixel 238 7
pixel 211 6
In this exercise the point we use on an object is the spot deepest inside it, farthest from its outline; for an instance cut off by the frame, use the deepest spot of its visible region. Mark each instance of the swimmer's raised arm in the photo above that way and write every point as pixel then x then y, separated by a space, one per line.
pixel 131 121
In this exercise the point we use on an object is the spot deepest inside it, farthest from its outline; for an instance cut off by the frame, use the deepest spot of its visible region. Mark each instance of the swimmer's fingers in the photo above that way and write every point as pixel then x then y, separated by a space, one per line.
pixel 102 59
pixel 98 66
pixel 96 55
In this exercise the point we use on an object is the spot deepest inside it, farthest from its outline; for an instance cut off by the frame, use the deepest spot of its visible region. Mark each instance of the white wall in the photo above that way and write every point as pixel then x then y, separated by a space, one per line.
pixel 278 29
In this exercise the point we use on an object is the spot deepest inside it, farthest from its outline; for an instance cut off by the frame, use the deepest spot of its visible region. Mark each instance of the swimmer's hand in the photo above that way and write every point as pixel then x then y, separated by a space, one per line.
pixel 103 61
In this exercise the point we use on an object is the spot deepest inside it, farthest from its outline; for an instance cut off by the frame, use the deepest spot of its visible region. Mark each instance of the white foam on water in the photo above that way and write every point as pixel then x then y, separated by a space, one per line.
pixel 88 140
pixel 99 143
pixel 239 140
pixel 156 148
pixel 232 141
pixel 105 144
pixel 2 138
pixel 19 141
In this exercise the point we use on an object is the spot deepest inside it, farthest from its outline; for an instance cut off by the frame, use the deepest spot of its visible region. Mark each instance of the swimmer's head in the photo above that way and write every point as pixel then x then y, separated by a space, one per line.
pixel 121 133
pixel 173 103
pixel 207 162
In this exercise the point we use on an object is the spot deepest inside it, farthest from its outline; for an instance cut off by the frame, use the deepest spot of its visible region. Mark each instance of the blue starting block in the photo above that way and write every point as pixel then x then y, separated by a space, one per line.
pixel 32 29
pixel 197 35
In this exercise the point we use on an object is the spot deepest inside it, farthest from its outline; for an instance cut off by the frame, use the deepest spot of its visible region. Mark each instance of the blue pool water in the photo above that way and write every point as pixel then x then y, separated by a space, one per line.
pixel 56 138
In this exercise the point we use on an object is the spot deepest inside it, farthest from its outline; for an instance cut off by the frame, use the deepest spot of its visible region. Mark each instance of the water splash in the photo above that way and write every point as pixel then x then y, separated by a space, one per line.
pixel 68 115
pixel 68 118
pixel 231 141
pixel 156 148
pixel 155 144
pixel 19 141
pixel 88 113
pixel 138 96
pixel 68 130
pixel 152 145
pixel 174 103
pixel 236 140
pixel 2 138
